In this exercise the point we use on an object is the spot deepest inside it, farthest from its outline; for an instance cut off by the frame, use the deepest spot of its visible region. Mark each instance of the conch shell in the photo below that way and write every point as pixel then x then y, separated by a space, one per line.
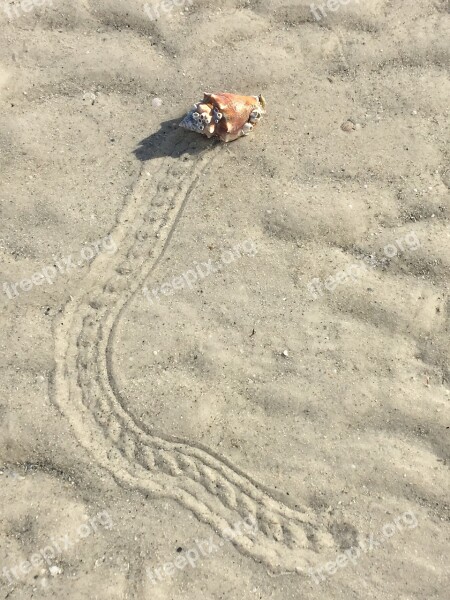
pixel 226 116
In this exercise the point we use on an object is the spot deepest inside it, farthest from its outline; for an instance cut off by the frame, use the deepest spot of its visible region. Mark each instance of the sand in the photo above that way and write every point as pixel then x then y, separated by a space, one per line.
pixel 225 367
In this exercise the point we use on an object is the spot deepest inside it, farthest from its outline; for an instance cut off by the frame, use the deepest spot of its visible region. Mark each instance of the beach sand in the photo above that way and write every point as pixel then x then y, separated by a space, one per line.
pixel 226 367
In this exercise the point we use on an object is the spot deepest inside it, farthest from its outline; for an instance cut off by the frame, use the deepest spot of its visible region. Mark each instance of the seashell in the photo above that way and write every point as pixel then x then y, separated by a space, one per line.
pixel 226 116
pixel 255 115
pixel 348 126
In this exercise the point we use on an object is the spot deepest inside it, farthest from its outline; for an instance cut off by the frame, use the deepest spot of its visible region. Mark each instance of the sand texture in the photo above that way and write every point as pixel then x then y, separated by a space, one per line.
pixel 225 367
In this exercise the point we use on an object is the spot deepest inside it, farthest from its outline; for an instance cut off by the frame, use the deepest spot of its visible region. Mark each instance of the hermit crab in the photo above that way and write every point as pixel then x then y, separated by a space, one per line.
pixel 226 116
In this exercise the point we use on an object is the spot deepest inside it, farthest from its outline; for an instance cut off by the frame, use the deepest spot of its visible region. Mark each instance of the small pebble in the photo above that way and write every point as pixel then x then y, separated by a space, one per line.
pixel 285 353
pixel 156 102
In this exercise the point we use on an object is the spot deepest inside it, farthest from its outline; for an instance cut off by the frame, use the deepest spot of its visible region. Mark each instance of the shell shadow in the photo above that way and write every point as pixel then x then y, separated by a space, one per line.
pixel 171 140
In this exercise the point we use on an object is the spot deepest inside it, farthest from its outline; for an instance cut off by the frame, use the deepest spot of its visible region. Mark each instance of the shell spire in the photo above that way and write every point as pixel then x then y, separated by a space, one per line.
pixel 223 115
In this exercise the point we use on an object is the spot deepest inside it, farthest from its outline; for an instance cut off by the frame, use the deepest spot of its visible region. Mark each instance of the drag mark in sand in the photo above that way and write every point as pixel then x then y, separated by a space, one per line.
pixel 85 390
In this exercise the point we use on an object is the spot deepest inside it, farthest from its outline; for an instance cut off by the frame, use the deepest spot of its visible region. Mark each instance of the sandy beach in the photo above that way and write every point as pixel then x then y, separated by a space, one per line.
pixel 225 367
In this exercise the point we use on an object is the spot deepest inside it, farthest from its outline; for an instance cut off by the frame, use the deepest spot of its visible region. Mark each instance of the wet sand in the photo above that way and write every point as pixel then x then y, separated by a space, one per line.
pixel 225 367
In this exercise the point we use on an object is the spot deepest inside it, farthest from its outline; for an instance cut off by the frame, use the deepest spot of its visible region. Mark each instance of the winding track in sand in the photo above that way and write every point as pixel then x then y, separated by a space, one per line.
pixel 84 389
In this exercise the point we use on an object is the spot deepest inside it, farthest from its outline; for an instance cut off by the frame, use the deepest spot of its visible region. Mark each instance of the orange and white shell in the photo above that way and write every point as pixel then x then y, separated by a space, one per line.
pixel 226 116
